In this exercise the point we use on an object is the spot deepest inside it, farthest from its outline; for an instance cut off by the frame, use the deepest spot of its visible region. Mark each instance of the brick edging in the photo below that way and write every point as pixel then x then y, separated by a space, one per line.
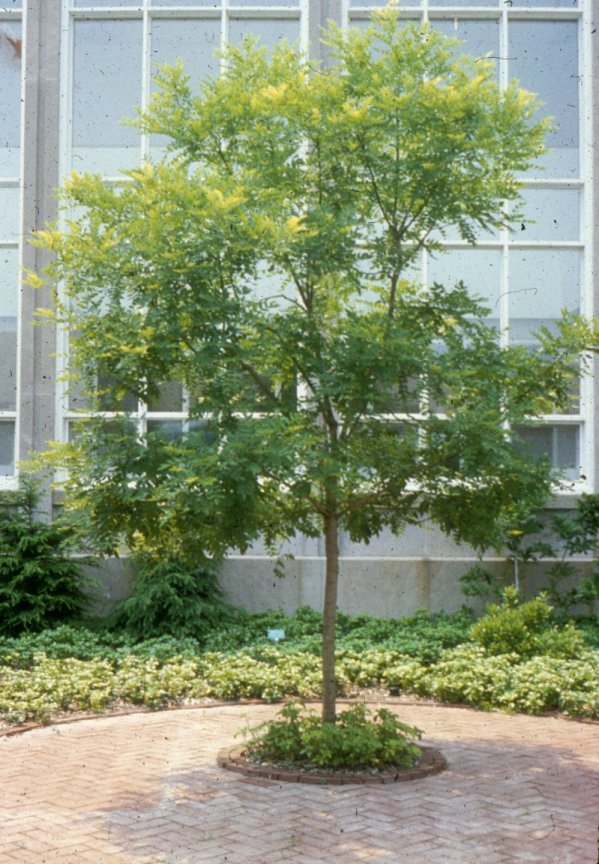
pixel 431 762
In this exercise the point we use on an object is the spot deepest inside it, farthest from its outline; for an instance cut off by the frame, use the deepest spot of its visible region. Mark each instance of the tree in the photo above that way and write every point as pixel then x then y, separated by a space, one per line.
pixel 264 265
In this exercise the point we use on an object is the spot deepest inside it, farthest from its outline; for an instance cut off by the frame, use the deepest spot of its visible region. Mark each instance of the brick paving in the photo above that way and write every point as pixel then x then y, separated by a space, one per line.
pixel 145 789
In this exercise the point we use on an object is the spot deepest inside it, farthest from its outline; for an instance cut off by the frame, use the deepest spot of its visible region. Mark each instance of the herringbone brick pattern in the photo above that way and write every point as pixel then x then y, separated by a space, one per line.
pixel 144 789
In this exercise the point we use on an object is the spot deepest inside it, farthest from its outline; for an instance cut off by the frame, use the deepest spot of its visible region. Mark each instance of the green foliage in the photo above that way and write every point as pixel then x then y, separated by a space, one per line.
pixel 170 598
pixel 541 684
pixel 356 741
pixel 331 185
pixel 73 669
pixel 525 629
pixel 40 584
pixel 571 534
pixel 420 635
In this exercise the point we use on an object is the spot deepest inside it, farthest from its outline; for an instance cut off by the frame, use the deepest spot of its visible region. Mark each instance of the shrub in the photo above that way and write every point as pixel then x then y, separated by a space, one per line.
pixel 571 534
pixel 356 741
pixel 525 629
pixel 170 599
pixel 40 585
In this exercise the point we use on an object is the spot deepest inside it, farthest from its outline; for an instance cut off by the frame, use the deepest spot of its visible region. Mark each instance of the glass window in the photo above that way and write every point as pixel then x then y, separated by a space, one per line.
pixel 210 3
pixel 550 214
pixel 136 4
pixel 10 98
pixel 8 363
pixel 170 398
pixel 170 429
pixel 194 41
pixel 544 58
pixel 379 3
pixel 479 37
pixel 459 3
pixel 258 3
pixel 107 87
pixel 548 4
pixel 9 214
pixel 268 31
pixel 478 269
pixel 559 443
pixel 7 448
pixel 542 283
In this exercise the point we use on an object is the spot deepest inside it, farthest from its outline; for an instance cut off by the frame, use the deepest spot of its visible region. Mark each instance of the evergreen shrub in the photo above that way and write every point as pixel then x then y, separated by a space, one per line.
pixel 40 584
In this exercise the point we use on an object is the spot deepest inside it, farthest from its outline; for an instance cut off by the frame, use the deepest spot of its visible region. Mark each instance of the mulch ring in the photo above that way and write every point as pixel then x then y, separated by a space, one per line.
pixel 235 758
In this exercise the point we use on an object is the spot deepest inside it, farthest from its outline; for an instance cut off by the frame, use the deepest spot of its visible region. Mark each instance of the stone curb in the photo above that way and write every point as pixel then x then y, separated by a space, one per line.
pixel 233 759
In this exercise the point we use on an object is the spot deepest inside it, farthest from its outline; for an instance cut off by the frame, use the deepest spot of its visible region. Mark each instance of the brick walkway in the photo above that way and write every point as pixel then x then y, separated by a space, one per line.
pixel 144 789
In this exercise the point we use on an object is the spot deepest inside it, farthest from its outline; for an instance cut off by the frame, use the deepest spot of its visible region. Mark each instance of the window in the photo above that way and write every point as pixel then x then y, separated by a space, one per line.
pixel 116 47
pixel 528 276
pixel 525 277
pixel 11 51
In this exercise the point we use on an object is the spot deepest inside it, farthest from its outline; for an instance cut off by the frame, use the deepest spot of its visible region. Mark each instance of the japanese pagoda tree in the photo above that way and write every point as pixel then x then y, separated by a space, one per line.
pixel 267 264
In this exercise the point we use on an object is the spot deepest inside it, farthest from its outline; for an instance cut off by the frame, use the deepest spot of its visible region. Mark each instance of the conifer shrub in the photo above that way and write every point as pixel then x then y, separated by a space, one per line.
pixel 170 598
pixel 40 584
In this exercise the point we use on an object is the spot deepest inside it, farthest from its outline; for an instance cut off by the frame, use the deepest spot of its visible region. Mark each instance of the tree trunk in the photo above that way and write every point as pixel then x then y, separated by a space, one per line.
pixel 329 689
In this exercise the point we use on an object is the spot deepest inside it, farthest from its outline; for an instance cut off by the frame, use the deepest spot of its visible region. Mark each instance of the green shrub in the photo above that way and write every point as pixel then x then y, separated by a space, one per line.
pixel 170 599
pixel 69 668
pixel 356 741
pixel 571 534
pixel 525 629
pixel 40 585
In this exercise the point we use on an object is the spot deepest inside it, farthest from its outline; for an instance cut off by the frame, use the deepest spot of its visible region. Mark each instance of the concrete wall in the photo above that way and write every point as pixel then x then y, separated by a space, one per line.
pixel 386 588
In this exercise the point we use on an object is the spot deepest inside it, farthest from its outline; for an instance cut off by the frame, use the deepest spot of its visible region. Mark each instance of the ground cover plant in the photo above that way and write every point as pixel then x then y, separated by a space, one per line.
pixel 488 664
pixel 266 266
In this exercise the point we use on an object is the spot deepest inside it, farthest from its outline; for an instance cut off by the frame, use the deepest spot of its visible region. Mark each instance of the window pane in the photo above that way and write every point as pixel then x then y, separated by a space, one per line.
pixel 106 88
pixel 478 37
pixel 109 402
pixel 171 429
pixel 7 448
pixel 542 282
pixel 555 215
pixel 381 3
pixel 136 4
pixel 194 41
pixel 546 3
pixel 210 3
pixel 10 99
pixel 478 269
pixel 8 328
pixel 544 58
pixel 9 214
pixel 258 3
pixel 559 443
pixel 170 398
pixel 269 32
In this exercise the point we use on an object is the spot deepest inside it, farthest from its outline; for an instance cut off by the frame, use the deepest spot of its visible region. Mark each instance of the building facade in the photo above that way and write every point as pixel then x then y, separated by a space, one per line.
pixel 70 70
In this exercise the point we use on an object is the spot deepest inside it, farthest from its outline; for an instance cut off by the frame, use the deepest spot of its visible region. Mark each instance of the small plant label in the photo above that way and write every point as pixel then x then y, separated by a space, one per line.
pixel 275 635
